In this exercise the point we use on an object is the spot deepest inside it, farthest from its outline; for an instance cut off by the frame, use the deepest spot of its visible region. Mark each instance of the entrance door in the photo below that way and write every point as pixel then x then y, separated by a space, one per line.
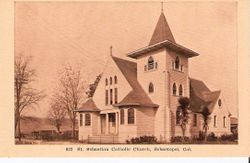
pixel 112 124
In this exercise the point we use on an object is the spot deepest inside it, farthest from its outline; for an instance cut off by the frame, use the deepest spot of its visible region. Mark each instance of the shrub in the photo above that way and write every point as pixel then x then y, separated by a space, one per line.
pixel 211 137
pixel 142 140
pixel 178 139
pixel 229 137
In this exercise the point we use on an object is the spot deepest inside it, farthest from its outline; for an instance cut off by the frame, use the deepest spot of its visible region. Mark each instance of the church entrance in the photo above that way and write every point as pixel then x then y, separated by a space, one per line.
pixel 112 123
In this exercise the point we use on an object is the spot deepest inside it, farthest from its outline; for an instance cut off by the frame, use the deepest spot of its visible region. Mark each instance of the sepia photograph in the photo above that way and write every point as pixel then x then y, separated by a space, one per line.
pixel 125 73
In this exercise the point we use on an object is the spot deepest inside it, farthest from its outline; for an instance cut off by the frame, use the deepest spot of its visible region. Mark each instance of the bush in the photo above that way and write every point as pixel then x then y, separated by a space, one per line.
pixel 178 139
pixel 142 140
pixel 229 137
pixel 211 137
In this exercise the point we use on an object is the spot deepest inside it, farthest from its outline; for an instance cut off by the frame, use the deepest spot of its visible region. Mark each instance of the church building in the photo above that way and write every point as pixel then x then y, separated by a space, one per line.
pixel 140 97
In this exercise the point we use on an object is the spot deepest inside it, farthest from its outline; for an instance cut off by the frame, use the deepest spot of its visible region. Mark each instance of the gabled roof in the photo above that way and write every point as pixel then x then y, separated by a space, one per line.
pixel 137 96
pixel 201 96
pixel 162 31
pixel 89 106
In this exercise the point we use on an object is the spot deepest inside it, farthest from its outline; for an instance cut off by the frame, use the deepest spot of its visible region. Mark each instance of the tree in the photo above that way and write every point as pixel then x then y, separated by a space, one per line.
pixel 25 96
pixel 183 114
pixel 92 87
pixel 56 114
pixel 206 117
pixel 70 93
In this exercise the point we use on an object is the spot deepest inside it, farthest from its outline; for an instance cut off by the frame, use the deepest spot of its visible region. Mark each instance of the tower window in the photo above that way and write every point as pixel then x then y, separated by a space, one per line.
pixel 116 95
pixel 180 90
pixel 224 121
pixel 177 63
pixel 150 63
pixel 106 97
pixel 111 96
pixel 151 88
pixel 174 89
pixel 219 102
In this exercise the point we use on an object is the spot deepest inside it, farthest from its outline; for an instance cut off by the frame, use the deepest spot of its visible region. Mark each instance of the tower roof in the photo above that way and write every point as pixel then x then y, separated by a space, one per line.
pixel 162 31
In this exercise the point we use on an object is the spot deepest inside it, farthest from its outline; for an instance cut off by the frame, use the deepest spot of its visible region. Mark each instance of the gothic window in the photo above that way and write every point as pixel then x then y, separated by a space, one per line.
pixel 87 119
pixel 180 90
pixel 106 82
pixel 215 121
pixel 111 96
pixel 81 119
pixel 195 119
pixel 115 78
pixel 122 116
pixel 174 89
pixel 106 97
pixel 150 63
pixel 131 116
pixel 224 121
pixel 177 63
pixel 178 116
pixel 110 81
pixel 151 88
pixel 116 95
pixel 219 102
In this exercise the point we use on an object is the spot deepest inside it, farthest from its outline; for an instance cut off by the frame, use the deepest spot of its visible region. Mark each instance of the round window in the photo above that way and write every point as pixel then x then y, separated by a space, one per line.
pixel 219 102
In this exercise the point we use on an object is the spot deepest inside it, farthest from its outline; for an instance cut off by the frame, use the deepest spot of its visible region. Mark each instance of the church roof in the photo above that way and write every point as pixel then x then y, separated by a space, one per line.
pixel 162 31
pixel 201 96
pixel 162 37
pixel 89 105
pixel 137 96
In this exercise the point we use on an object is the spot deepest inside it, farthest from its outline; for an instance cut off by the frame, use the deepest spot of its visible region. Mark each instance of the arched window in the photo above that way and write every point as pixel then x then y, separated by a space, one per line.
pixel 180 90
pixel 151 88
pixel 110 81
pixel 81 119
pixel 122 116
pixel 178 116
pixel 150 63
pixel 219 102
pixel 106 97
pixel 177 63
pixel 131 116
pixel 111 96
pixel 106 82
pixel 115 79
pixel 174 89
pixel 116 95
pixel 224 121
pixel 215 121
pixel 87 119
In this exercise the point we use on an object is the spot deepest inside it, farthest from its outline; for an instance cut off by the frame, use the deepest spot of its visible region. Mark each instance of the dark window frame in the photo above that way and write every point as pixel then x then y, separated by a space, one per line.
pixel 87 119
pixel 131 116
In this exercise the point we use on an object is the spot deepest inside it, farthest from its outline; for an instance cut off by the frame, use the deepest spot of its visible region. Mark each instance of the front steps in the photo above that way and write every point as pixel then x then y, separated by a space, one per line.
pixel 103 139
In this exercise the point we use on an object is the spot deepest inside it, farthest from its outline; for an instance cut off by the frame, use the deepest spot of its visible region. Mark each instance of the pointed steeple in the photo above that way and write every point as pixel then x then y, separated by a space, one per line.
pixel 162 31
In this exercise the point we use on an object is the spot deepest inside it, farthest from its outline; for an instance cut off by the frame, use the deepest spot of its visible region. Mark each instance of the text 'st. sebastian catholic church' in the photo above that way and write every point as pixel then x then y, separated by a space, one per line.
pixel 140 98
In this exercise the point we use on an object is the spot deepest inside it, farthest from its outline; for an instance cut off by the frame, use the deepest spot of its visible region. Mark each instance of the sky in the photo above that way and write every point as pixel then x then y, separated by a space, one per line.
pixel 59 33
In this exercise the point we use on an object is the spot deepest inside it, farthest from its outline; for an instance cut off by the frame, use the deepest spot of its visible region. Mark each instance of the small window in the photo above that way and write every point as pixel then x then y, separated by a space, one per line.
pixel 122 116
pixel 111 96
pixel 106 97
pixel 106 82
pixel 195 120
pixel 150 63
pixel 151 88
pixel 219 102
pixel 215 121
pixel 116 95
pixel 178 116
pixel 145 68
pixel 81 119
pixel 180 90
pixel 131 116
pixel 177 63
pixel 156 65
pixel 115 79
pixel 224 122
pixel 87 119
pixel 174 89
pixel 110 81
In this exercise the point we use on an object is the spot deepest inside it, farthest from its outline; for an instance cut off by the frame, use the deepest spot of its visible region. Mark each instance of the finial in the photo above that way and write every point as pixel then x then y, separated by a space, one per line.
pixel 111 50
pixel 161 6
